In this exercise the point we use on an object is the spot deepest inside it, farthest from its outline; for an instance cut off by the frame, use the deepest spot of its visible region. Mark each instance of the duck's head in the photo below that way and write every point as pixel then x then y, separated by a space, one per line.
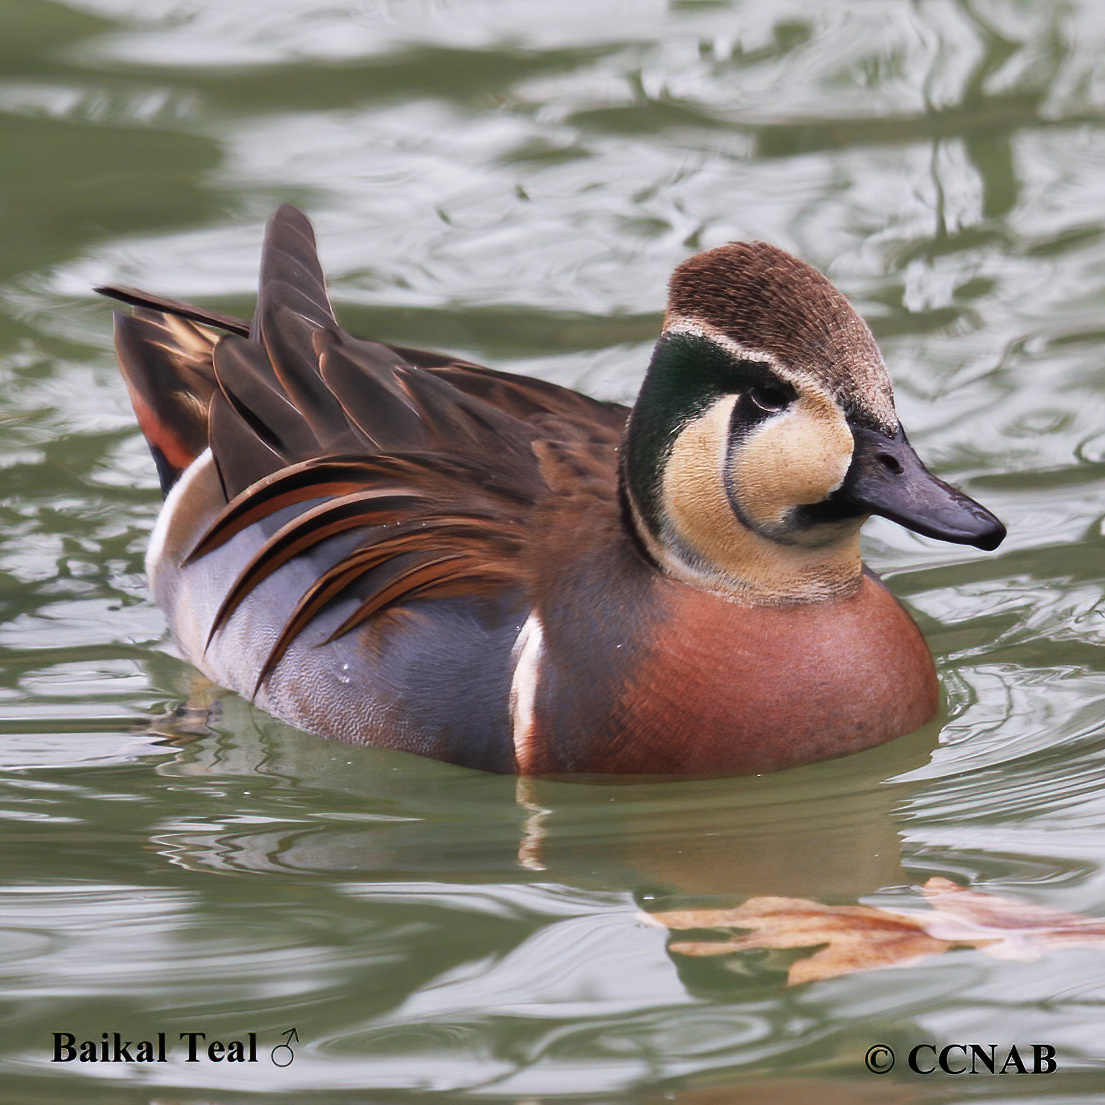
pixel 765 434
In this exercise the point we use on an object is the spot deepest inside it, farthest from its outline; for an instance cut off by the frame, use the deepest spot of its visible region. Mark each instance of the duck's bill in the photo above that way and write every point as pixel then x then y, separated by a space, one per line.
pixel 887 478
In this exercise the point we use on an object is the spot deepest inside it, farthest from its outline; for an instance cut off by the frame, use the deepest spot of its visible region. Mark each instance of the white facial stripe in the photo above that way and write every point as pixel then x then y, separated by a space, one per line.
pixel 876 382
pixel 738 351
pixel 692 327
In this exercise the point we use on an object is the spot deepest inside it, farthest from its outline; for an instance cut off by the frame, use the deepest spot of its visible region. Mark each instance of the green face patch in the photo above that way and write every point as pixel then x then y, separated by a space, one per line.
pixel 687 374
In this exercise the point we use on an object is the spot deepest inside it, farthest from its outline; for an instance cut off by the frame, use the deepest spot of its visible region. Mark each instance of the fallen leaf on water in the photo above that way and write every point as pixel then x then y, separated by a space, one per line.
pixel 862 938
pixel 1008 929
pixel 855 938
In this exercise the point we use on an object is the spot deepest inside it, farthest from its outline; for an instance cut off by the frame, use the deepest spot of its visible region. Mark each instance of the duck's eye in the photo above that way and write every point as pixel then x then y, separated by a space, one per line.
pixel 770 398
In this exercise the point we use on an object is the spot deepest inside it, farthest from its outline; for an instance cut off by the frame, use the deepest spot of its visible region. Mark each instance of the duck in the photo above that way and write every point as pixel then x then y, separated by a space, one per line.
pixel 392 547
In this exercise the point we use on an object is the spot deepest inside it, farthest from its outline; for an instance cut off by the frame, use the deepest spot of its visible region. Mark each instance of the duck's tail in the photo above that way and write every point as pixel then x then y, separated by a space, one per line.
pixel 256 381
pixel 167 362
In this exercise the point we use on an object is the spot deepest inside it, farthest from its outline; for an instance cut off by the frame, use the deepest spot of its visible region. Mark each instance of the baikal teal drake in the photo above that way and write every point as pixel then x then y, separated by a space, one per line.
pixel 397 548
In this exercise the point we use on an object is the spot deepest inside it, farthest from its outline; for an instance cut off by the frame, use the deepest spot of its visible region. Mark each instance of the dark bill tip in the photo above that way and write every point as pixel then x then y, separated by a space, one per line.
pixel 887 478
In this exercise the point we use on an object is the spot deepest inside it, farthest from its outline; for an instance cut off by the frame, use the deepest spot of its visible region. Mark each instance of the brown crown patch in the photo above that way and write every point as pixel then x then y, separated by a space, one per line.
pixel 765 299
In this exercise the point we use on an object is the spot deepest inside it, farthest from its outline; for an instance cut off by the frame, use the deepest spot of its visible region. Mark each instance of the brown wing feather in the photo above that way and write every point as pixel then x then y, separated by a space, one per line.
pixel 533 400
pixel 362 377
pixel 440 479
pixel 374 507
pixel 441 463
pixel 451 572
pixel 166 363
pixel 246 378
pixel 291 275
pixel 175 307
pixel 290 347
pixel 330 477
pixel 292 308
pixel 250 460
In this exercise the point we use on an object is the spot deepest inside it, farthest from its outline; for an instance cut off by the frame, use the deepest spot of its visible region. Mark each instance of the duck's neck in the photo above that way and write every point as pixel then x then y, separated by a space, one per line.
pixel 744 567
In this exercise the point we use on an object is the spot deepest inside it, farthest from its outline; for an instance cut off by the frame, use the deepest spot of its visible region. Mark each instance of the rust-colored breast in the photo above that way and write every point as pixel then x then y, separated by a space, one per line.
pixel 727 688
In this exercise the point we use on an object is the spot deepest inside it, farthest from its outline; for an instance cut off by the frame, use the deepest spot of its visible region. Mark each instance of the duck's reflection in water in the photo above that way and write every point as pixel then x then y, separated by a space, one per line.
pixel 827 831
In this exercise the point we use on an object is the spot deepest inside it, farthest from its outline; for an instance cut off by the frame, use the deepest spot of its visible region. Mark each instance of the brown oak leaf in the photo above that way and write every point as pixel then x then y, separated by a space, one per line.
pixel 862 938
pixel 1004 927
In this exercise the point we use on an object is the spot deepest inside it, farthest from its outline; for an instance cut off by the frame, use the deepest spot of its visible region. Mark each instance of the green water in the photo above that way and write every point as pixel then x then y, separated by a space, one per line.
pixel 514 180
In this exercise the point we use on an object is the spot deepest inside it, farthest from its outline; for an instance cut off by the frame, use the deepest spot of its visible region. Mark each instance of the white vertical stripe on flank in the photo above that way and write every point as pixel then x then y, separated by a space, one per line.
pixel 160 536
pixel 529 647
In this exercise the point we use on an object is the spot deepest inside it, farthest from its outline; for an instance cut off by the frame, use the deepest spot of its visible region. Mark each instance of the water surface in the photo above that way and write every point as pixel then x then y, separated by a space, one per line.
pixel 514 181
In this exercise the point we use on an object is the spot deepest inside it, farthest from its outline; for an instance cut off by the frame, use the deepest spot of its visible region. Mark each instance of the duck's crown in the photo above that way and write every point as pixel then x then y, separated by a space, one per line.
pixel 765 301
